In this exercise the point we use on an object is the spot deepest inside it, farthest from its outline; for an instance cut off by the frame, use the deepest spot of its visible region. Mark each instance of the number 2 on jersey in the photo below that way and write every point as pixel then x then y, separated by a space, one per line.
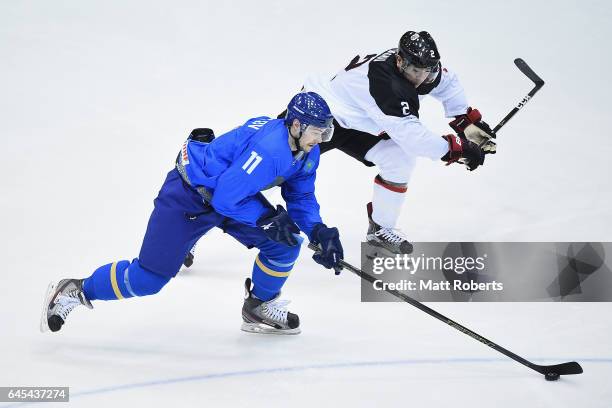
pixel 356 62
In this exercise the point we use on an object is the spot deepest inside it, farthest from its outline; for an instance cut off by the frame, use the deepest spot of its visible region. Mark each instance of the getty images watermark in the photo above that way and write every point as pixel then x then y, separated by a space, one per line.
pixel 490 271
pixel 411 264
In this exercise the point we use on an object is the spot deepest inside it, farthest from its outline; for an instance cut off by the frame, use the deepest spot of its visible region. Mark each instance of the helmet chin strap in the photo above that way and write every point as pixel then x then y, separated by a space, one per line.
pixel 300 151
pixel 403 68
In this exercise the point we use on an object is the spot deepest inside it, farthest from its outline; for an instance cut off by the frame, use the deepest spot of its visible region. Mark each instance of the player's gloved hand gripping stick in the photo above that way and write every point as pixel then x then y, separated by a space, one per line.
pixel 330 252
pixel 474 129
pixel 471 127
pixel 464 151
pixel 279 227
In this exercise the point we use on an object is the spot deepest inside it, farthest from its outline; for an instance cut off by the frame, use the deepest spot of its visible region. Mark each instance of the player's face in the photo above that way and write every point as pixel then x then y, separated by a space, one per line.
pixel 415 75
pixel 311 136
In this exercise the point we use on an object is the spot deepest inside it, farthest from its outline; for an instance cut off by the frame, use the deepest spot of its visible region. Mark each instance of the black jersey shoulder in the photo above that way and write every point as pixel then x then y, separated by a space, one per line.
pixel 393 94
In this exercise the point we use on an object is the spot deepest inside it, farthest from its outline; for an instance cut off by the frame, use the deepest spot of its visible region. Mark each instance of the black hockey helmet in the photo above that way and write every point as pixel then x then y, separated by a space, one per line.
pixel 418 49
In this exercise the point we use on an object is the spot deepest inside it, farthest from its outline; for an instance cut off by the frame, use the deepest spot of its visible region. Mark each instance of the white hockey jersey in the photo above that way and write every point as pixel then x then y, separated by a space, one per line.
pixel 372 96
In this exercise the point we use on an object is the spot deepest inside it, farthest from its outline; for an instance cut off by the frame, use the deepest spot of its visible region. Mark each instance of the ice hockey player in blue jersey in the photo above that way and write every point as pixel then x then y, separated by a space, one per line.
pixel 217 184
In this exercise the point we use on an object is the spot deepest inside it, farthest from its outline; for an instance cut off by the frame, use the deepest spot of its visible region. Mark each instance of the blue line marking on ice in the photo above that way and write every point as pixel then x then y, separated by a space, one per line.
pixel 356 364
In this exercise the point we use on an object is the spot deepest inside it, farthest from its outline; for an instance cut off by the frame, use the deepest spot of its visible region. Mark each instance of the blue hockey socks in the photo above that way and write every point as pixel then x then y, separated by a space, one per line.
pixel 119 280
pixel 269 277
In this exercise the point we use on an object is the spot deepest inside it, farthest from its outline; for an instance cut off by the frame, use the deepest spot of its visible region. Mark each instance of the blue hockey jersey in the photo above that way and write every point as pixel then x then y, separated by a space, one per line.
pixel 251 158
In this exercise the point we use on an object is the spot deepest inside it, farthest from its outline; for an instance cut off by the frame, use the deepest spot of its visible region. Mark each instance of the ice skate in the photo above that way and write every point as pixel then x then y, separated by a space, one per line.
pixel 269 317
pixel 62 297
pixel 390 239
pixel 188 261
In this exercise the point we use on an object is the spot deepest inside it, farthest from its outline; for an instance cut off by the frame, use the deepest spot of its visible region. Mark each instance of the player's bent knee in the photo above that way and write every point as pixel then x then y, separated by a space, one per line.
pixel 291 253
pixel 393 163
pixel 294 251
pixel 143 282
pixel 397 172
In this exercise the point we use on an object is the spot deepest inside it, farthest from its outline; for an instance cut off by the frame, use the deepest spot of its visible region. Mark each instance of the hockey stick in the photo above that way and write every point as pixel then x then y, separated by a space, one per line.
pixel 550 372
pixel 539 83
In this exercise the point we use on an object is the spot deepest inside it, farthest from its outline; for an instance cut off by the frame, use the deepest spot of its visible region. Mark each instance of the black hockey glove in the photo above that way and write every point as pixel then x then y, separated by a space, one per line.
pixel 331 253
pixel 461 149
pixel 203 135
pixel 475 130
pixel 279 227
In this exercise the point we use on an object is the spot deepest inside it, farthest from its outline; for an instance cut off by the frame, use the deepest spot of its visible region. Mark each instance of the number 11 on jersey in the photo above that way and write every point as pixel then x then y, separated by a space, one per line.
pixel 252 162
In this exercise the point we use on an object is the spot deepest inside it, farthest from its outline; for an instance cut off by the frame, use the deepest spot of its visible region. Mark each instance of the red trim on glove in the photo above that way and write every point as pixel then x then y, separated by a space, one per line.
pixel 455 149
pixel 462 121
pixel 474 115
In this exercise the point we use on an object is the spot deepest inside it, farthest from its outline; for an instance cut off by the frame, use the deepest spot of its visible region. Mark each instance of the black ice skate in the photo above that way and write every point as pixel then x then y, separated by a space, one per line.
pixel 389 239
pixel 188 261
pixel 269 317
pixel 62 297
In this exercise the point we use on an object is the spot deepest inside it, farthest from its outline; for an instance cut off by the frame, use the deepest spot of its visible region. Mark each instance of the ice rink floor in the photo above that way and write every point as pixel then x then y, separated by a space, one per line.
pixel 184 348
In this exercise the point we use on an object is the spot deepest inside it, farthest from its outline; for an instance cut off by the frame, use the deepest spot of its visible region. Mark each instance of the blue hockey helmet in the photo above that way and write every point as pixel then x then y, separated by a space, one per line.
pixel 310 109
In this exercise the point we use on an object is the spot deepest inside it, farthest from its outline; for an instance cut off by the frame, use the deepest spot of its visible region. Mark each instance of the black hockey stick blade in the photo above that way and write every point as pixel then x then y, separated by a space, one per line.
pixel 561 369
pixel 525 69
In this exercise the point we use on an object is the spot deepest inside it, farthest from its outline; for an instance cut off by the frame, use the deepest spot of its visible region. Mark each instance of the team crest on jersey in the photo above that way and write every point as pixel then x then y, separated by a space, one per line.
pixel 184 155
pixel 308 166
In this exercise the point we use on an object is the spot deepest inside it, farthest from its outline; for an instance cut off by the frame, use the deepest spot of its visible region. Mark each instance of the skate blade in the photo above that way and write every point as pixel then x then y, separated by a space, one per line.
pixel 265 329
pixel 44 324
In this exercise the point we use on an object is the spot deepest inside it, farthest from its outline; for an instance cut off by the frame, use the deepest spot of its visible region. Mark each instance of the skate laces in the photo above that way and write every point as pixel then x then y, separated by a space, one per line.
pixel 392 235
pixel 276 310
pixel 67 302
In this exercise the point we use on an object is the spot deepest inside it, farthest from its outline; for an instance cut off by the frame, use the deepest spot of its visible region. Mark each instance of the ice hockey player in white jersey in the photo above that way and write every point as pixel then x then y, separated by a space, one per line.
pixel 375 103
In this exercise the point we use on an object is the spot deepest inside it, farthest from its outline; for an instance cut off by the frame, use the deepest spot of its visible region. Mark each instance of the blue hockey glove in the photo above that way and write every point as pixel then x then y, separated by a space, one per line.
pixel 279 227
pixel 331 252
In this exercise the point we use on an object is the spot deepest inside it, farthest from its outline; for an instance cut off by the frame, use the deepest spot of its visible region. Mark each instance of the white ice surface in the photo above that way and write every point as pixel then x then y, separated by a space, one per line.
pixel 95 100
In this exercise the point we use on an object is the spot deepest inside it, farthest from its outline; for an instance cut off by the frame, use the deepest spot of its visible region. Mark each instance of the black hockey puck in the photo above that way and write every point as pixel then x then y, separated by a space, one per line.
pixel 55 323
pixel 551 376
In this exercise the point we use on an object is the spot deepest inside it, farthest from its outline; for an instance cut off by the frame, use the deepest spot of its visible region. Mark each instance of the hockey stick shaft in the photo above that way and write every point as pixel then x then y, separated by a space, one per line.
pixel 565 368
pixel 539 83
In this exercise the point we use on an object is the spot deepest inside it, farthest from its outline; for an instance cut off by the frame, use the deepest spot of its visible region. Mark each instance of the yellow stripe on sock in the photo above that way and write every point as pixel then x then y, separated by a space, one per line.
pixel 270 271
pixel 113 276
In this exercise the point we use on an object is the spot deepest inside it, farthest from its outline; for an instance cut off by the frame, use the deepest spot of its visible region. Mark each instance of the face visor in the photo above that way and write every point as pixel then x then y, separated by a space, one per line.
pixel 432 74
pixel 421 74
pixel 326 132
